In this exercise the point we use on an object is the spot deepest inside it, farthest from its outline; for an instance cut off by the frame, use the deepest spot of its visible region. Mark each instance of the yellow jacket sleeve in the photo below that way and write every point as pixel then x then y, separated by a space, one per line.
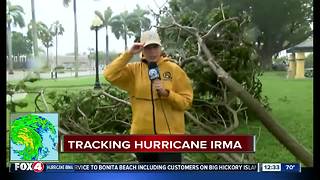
pixel 182 95
pixel 119 73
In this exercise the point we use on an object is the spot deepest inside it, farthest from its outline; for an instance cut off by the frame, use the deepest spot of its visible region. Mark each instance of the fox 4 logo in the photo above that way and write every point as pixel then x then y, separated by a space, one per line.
pixel 36 167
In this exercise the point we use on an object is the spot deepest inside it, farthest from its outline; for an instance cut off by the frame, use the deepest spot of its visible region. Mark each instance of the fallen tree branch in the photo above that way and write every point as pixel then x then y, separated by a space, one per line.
pixel 238 158
pixel 44 100
pixel 115 98
pixel 235 123
pixel 87 131
pixel 227 157
pixel 64 132
pixel 217 25
pixel 82 113
pixel 196 121
pixel 298 150
pixel 100 125
pixel 35 102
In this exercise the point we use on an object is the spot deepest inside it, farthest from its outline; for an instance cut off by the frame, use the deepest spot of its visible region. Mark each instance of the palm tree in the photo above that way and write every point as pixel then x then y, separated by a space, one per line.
pixel 14 15
pixel 126 25
pixel 106 22
pixel 119 24
pixel 138 21
pixel 46 37
pixel 66 4
pixel 43 34
pixel 56 29
pixel 34 32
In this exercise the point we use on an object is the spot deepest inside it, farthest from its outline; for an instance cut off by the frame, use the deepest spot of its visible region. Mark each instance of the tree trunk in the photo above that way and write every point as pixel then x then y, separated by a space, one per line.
pixel 34 32
pixel 125 41
pixel 279 132
pixel 75 38
pixel 9 41
pixel 56 49
pixel 266 61
pixel 47 56
pixel 107 46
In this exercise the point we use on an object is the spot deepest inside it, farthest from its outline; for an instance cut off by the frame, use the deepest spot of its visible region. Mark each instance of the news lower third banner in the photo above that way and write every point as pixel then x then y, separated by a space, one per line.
pixel 39 167
pixel 157 143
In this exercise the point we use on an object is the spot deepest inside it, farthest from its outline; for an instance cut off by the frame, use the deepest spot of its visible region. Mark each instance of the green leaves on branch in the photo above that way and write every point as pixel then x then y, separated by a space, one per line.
pixel 214 105
pixel 17 93
pixel 90 111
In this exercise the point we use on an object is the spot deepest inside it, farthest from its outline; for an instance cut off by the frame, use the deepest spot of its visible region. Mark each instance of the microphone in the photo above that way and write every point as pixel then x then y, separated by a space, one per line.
pixel 153 75
pixel 153 71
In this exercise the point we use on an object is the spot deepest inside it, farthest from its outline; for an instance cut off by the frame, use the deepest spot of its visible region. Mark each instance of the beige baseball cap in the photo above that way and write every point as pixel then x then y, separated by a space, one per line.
pixel 150 37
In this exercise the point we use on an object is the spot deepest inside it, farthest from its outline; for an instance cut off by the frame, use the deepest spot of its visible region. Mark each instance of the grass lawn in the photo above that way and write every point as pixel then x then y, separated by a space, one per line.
pixel 291 102
pixel 292 107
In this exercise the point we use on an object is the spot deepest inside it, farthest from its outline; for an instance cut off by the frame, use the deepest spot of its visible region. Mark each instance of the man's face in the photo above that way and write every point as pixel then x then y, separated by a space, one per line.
pixel 152 52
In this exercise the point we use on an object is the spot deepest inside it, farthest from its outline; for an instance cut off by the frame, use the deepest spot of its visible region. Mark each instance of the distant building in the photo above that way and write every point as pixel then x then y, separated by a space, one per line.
pixel 296 56
pixel 68 61
pixel 27 62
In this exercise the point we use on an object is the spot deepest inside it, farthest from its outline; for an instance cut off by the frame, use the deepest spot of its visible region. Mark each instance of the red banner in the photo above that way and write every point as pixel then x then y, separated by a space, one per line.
pixel 158 143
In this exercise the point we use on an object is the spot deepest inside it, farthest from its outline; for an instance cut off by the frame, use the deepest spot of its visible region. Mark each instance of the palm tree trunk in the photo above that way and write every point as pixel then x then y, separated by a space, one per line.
pixel 75 39
pixel 125 41
pixel 18 66
pixel 56 49
pixel 47 56
pixel 107 46
pixel 9 49
pixel 34 32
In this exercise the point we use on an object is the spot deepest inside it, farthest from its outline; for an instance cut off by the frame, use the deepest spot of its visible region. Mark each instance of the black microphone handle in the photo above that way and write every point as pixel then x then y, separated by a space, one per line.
pixel 158 90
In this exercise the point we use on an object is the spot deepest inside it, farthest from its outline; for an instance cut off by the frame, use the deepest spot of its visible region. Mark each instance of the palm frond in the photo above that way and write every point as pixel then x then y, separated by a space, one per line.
pixel 99 14
pixel 66 3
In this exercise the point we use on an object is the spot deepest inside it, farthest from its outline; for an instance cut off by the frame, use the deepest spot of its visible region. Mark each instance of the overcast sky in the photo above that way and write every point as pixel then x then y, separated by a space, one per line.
pixel 49 11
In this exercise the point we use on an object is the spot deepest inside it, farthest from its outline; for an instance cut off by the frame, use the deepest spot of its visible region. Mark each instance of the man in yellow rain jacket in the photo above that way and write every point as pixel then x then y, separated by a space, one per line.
pixel 172 92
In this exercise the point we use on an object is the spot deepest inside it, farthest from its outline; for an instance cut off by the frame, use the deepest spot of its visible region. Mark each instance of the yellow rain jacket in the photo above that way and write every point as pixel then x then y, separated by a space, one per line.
pixel 134 78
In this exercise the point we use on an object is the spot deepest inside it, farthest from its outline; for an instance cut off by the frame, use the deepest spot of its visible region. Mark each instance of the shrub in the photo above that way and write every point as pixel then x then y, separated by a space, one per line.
pixel 309 61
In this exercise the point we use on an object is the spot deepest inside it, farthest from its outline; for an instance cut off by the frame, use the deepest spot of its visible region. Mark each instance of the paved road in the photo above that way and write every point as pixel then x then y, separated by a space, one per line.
pixel 18 75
